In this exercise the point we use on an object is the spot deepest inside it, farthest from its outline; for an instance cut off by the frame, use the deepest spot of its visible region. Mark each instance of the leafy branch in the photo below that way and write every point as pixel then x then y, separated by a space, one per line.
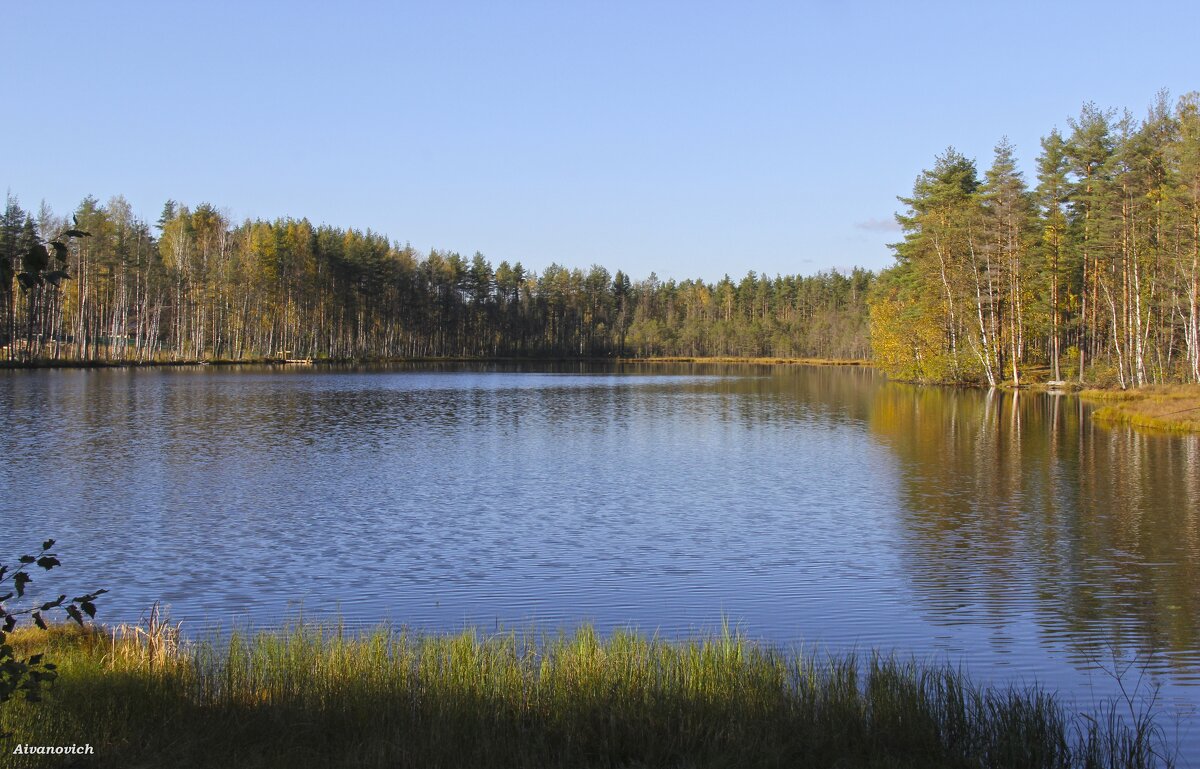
pixel 25 675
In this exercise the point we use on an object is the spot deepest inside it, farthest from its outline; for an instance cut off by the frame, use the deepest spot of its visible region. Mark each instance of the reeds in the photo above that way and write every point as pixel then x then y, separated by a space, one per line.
pixel 317 696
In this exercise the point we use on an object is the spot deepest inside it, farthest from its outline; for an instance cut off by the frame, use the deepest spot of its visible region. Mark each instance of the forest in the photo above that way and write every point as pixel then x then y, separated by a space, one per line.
pixel 109 286
pixel 1091 275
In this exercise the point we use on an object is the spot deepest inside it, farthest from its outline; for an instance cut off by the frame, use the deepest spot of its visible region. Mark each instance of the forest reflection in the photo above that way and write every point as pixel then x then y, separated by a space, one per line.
pixel 817 500
pixel 1008 496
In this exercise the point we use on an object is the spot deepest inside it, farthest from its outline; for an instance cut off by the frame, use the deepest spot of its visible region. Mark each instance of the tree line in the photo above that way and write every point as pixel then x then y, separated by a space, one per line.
pixel 110 286
pixel 1091 275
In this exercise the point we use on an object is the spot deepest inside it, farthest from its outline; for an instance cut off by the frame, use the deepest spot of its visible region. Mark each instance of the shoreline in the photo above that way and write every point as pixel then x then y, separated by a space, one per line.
pixel 101 364
pixel 1165 408
pixel 1162 408
pixel 317 695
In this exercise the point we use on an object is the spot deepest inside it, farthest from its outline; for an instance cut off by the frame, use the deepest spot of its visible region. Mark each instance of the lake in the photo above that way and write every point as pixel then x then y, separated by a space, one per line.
pixel 811 507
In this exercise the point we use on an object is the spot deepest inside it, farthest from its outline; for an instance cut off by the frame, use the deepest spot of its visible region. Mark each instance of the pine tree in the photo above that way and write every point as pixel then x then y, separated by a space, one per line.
pixel 939 247
pixel 1051 197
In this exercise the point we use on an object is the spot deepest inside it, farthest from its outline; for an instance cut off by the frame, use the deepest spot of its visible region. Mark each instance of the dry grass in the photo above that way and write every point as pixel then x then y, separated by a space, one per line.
pixel 1174 408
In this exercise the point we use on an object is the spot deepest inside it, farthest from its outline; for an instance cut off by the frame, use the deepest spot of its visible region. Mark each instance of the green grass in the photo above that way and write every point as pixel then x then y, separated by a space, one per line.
pixel 1172 408
pixel 308 696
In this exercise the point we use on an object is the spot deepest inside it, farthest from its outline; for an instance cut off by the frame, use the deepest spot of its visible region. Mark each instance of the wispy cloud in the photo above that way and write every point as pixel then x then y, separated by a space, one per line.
pixel 878 225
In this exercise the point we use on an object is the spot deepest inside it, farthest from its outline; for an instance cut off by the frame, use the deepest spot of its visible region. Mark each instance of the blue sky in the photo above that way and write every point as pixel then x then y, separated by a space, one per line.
pixel 690 138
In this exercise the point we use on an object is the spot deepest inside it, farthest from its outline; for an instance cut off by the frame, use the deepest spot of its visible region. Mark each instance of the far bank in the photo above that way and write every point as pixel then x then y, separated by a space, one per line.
pixel 43 363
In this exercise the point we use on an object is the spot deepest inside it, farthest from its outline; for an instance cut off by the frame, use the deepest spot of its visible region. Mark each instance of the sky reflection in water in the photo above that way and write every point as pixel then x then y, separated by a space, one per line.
pixel 809 506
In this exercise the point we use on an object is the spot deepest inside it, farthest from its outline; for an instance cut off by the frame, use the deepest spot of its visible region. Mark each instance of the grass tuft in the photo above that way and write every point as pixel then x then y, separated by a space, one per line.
pixel 308 695
pixel 1172 408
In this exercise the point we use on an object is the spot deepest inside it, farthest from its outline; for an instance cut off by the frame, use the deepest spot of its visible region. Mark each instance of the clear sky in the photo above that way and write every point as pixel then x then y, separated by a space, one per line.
pixel 687 138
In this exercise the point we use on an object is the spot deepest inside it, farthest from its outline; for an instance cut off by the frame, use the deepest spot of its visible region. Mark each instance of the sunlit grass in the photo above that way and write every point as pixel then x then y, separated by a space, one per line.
pixel 1161 407
pixel 315 696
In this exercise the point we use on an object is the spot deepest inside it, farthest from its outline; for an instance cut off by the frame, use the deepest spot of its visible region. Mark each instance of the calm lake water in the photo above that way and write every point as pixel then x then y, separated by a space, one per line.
pixel 807 506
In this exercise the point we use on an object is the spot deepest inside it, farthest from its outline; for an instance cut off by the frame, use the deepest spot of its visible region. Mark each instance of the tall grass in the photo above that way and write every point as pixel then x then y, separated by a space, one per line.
pixel 312 696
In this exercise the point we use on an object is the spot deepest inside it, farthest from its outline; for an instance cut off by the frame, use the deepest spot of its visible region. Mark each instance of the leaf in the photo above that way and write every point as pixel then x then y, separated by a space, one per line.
pixel 55 277
pixel 75 615
pixel 36 259
pixel 77 234
pixel 51 604
pixel 37 620
pixel 35 659
pixel 89 608
pixel 60 250
pixel 27 559
pixel 19 582
pixel 10 622
pixel 48 562
pixel 5 597
pixel 47 544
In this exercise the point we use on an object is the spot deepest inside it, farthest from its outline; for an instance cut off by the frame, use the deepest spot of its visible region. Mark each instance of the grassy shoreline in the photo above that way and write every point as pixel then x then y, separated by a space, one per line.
pixel 1170 408
pixel 309 696
pixel 90 364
